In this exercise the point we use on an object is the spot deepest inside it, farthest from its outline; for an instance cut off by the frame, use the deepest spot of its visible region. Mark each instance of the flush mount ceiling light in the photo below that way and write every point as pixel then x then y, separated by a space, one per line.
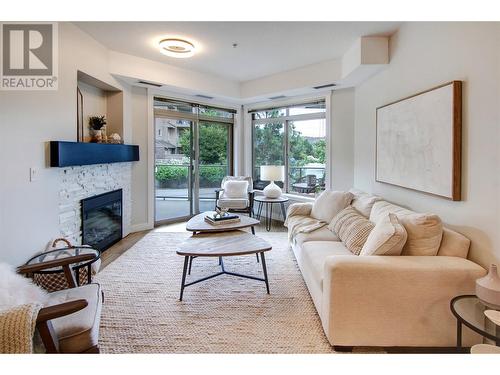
pixel 179 48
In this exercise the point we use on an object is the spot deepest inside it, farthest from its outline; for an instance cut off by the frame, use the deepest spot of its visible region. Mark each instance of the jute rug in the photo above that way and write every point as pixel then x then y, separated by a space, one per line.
pixel 142 312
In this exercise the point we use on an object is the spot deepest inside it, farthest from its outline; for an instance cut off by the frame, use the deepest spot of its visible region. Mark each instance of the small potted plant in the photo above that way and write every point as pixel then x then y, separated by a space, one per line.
pixel 96 125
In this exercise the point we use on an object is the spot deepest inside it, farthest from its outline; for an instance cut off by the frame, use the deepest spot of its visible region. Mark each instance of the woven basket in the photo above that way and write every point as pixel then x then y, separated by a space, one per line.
pixel 53 282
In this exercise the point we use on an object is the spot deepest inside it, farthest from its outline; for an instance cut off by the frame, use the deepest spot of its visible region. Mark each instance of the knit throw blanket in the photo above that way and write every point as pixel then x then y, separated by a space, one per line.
pixel 304 224
pixel 17 327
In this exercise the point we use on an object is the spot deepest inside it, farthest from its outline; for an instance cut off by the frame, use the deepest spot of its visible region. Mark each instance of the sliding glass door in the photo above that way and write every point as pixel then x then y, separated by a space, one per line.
pixel 173 168
pixel 193 153
pixel 214 163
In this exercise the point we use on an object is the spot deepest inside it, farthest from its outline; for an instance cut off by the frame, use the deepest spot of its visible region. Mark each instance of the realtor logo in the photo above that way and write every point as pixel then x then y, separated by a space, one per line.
pixel 29 56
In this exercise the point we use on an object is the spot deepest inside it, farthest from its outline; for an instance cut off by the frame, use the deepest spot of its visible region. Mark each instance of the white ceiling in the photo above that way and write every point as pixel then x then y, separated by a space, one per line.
pixel 264 48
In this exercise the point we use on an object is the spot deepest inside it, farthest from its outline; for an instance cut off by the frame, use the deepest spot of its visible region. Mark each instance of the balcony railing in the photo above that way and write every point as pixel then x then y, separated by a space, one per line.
pixel 297 175
pixel 175 176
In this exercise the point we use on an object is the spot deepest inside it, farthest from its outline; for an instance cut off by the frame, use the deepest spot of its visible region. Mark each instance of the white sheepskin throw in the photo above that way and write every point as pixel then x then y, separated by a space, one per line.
pixel 18 290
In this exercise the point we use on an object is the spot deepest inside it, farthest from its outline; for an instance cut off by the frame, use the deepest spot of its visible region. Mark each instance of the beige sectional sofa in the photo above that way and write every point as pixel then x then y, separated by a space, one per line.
pixel 384 301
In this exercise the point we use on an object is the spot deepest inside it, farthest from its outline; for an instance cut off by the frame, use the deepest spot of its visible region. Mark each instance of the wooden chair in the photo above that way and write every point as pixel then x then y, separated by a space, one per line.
pixel 242 204
pixel 71 326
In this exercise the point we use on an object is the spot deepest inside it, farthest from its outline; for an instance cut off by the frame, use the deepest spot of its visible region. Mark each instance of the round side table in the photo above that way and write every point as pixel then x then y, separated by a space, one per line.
pixel 469 311
pixel 64 253
pixel 263 200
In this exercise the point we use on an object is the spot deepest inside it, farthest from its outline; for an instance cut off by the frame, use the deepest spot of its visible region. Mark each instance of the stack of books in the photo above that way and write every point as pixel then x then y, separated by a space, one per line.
pixel 226 219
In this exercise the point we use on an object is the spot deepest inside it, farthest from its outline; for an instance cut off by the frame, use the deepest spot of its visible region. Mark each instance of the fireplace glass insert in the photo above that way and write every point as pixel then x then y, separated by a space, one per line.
pixel 102 220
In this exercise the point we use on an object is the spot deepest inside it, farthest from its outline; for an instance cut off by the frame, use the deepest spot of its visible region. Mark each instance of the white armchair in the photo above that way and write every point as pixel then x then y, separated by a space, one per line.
pixel 234 195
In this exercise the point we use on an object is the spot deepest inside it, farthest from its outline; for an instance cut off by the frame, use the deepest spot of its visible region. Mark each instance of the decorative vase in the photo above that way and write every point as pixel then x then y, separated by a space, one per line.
pixel 488 288
pixel 96 136
pixel 272 190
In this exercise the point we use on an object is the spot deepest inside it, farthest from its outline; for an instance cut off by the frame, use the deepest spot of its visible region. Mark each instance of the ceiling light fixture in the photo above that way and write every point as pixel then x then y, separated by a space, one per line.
pixel 179 48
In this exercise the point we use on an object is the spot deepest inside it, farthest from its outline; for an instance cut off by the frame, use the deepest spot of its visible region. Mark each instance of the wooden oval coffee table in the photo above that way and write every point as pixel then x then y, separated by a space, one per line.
pixel 198 224
pixel 223 244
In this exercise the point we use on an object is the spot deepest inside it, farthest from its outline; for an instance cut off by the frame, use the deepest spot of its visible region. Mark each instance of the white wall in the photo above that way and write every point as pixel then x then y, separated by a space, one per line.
pixel 139 109
pixel 342 139
pixel 28 119
pixel 424 55
pixel 94 104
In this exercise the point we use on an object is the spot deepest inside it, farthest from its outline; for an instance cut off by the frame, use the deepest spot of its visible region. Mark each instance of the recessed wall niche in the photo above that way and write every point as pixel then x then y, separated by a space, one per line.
pixel 97 98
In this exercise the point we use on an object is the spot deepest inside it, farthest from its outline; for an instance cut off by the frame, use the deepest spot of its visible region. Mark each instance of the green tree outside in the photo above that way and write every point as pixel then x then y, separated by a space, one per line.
pixel 213 143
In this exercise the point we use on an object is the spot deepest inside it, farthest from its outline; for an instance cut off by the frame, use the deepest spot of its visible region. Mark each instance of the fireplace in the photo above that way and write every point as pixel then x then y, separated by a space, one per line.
pixel 102 224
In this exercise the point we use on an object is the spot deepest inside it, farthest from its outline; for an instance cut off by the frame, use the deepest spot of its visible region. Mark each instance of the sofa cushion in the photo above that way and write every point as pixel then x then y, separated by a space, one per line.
pixel 363 202
pixel 454 244
pixel 329 204
pixel 237 203
pixel 352 228
pixel 79 331
pixel 424 230
pixel 321 234
pixel 387 238
pixel 314 254
pixel 381 208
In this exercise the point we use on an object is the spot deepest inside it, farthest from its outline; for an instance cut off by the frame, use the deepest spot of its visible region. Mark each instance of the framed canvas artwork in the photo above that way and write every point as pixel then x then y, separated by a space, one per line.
pixel 419 141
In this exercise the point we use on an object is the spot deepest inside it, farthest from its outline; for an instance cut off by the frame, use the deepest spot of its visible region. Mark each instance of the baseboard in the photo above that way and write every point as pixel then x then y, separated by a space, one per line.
pixel 140 227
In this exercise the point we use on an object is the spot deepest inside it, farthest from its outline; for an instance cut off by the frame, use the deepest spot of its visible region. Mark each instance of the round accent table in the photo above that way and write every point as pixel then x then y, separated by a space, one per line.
pixel 469 311
pixel 263 200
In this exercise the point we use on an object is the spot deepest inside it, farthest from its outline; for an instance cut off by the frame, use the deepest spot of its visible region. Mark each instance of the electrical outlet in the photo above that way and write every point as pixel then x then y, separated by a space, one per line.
pixel 33 174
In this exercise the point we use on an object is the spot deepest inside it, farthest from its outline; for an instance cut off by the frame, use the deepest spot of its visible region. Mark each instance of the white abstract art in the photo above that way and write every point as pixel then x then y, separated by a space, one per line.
pixel 418 142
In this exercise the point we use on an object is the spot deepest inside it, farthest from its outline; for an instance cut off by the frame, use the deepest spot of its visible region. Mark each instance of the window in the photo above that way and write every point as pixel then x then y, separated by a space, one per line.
pixel 293 136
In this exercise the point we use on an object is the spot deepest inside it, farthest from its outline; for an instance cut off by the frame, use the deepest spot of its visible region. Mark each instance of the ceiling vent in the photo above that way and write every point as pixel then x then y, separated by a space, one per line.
pixel 204 96
pixel 324 86
pixel 150 83
pixel 277 97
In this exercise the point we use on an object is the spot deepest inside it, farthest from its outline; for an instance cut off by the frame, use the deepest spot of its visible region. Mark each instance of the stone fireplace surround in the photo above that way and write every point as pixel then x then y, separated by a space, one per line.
pixel 77 183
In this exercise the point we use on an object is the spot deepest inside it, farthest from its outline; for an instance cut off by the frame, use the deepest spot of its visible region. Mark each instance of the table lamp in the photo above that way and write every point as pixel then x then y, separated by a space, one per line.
pixel 272 173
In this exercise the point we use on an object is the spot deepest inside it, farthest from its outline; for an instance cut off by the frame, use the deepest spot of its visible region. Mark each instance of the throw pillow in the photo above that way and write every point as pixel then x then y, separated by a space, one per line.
pixel 18 290
pixel 424 234
pixel 424 230
pixel 352 228
pixel 329 204
pixel 387 238
pixel 363 202
pixel 236 189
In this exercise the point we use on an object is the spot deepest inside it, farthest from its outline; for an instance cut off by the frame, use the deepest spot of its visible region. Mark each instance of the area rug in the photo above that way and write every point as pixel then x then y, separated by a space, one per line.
pixel 142 312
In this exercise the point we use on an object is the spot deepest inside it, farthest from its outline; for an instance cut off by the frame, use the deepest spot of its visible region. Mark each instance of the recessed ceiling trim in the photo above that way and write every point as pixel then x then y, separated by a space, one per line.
pixel 277 97
pixel 204 96
pixel 150 83
pixel 324 86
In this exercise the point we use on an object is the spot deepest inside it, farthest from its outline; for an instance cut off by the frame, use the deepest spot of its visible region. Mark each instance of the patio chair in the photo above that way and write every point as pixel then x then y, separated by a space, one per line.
pixel 307 184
